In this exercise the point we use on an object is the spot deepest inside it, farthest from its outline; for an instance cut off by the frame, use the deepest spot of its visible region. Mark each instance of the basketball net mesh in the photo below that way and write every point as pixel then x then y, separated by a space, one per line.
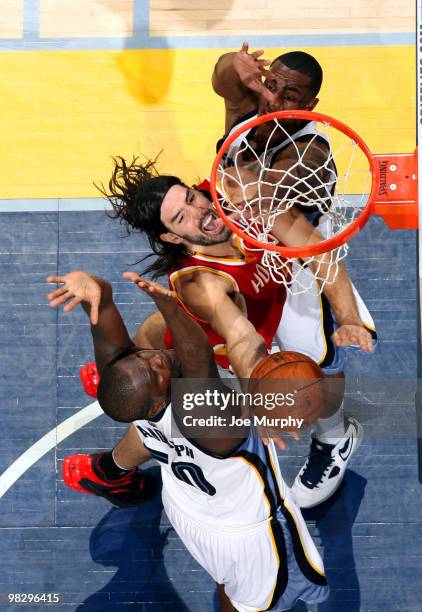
pixel 253 195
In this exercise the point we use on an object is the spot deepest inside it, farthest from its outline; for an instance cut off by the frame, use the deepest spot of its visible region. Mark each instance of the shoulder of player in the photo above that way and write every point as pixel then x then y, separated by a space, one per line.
pixel 203 293
pixel 202 279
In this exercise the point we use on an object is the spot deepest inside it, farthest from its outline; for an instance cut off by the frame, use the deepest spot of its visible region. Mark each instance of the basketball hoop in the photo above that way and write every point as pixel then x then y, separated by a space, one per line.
pixel 330 174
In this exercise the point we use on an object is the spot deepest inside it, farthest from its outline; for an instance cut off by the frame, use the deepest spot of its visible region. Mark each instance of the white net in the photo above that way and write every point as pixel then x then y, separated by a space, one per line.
pixel 273 174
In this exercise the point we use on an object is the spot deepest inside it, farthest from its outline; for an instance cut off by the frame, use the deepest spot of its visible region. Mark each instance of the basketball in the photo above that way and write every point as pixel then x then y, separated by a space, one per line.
pixel 289 387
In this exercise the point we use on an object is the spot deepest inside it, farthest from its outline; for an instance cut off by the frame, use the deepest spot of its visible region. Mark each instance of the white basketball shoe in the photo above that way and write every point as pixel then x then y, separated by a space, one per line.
pixel 325 466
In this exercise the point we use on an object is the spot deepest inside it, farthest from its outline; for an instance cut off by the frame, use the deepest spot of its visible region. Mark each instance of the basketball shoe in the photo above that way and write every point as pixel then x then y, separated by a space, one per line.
pixel 325 466
pixel 90 378
pixel 86 474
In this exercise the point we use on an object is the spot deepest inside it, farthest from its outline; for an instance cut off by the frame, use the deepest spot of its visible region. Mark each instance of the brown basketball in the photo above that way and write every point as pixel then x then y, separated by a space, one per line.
pixel 299 383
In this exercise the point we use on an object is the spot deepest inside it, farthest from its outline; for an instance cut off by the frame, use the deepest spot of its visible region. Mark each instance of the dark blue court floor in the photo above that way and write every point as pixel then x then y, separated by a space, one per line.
pixel 101 559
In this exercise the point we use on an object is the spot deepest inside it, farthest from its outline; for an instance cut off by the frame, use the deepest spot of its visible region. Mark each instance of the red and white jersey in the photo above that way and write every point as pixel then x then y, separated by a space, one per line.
pixel 259 297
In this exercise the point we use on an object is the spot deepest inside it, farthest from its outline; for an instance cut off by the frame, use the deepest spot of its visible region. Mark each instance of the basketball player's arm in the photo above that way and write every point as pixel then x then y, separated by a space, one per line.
pixel 196 357
pixel 286 179
pixel 302 168
pixel 190 342
pixel 293 229
pixel 95 295
pixel 151 332
pixel 238 78
pixel 207 296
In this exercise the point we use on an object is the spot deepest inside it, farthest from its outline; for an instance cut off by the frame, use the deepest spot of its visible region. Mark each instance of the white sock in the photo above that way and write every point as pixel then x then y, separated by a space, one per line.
pixel 331 430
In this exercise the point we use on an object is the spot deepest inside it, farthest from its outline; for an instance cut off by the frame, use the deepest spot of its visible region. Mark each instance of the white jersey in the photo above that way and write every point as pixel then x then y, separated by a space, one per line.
pixel 240 490
pixel 310 132
pixel 236 517
pixel 309 129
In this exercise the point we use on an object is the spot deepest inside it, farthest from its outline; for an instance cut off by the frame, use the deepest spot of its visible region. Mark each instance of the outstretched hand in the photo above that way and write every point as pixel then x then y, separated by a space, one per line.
pixel 265 433
pixel 347 335
pixel 76 287
pixel 155 290
pixel 250 70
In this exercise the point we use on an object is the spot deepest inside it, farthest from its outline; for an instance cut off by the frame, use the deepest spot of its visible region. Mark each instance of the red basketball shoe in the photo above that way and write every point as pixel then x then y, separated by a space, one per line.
pixel 90 378
pixel 83 473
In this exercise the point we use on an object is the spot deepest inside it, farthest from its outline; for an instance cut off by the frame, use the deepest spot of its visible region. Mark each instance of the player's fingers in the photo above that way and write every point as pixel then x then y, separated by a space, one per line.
pixel 160 291
pixel 275 436
pixel 56 293
pixel 245 47
pixel 72 304
pixel 95 304
pixel 257 53
pixel 148 289
pixel 266 93
pixel 365 341
pixel 280 442
pixel 59 300
pixel 154 290
pixel 254 86
pixel 352 339
pixel 131 276
pixel 343 337
pixel 151 289
pixel 336 338
pixel 362 341
pixel 55 279
pixel 261 65
pixel 144 285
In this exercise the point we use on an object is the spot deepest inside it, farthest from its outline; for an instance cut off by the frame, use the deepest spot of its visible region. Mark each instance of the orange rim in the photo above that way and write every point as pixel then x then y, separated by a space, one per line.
pixel 313 249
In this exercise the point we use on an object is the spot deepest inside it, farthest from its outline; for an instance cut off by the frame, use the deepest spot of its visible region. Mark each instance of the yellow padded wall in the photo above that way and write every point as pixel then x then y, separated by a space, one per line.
pixel 65 113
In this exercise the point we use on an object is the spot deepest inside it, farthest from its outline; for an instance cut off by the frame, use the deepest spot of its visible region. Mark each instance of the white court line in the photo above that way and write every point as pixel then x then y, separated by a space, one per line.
pixel 54 205
pixel 81 204
pixel 46 443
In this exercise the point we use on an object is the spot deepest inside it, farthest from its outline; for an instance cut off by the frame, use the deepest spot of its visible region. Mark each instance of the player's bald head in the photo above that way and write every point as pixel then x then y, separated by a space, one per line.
pixel 123 395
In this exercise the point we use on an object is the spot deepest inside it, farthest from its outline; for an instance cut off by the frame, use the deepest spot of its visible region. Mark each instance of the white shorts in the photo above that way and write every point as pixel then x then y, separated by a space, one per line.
pixel 307 324
pixel 260 566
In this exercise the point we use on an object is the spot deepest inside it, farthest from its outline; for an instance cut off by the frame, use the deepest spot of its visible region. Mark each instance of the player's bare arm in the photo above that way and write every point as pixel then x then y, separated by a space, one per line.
pixel 211 298
pixel 293 229
pixel 130 451
pixel 238 78
pixel 196 359
pixel 190 342
pixel 302 166
pixel 151 332
pixel 95 295
pixel 110 337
